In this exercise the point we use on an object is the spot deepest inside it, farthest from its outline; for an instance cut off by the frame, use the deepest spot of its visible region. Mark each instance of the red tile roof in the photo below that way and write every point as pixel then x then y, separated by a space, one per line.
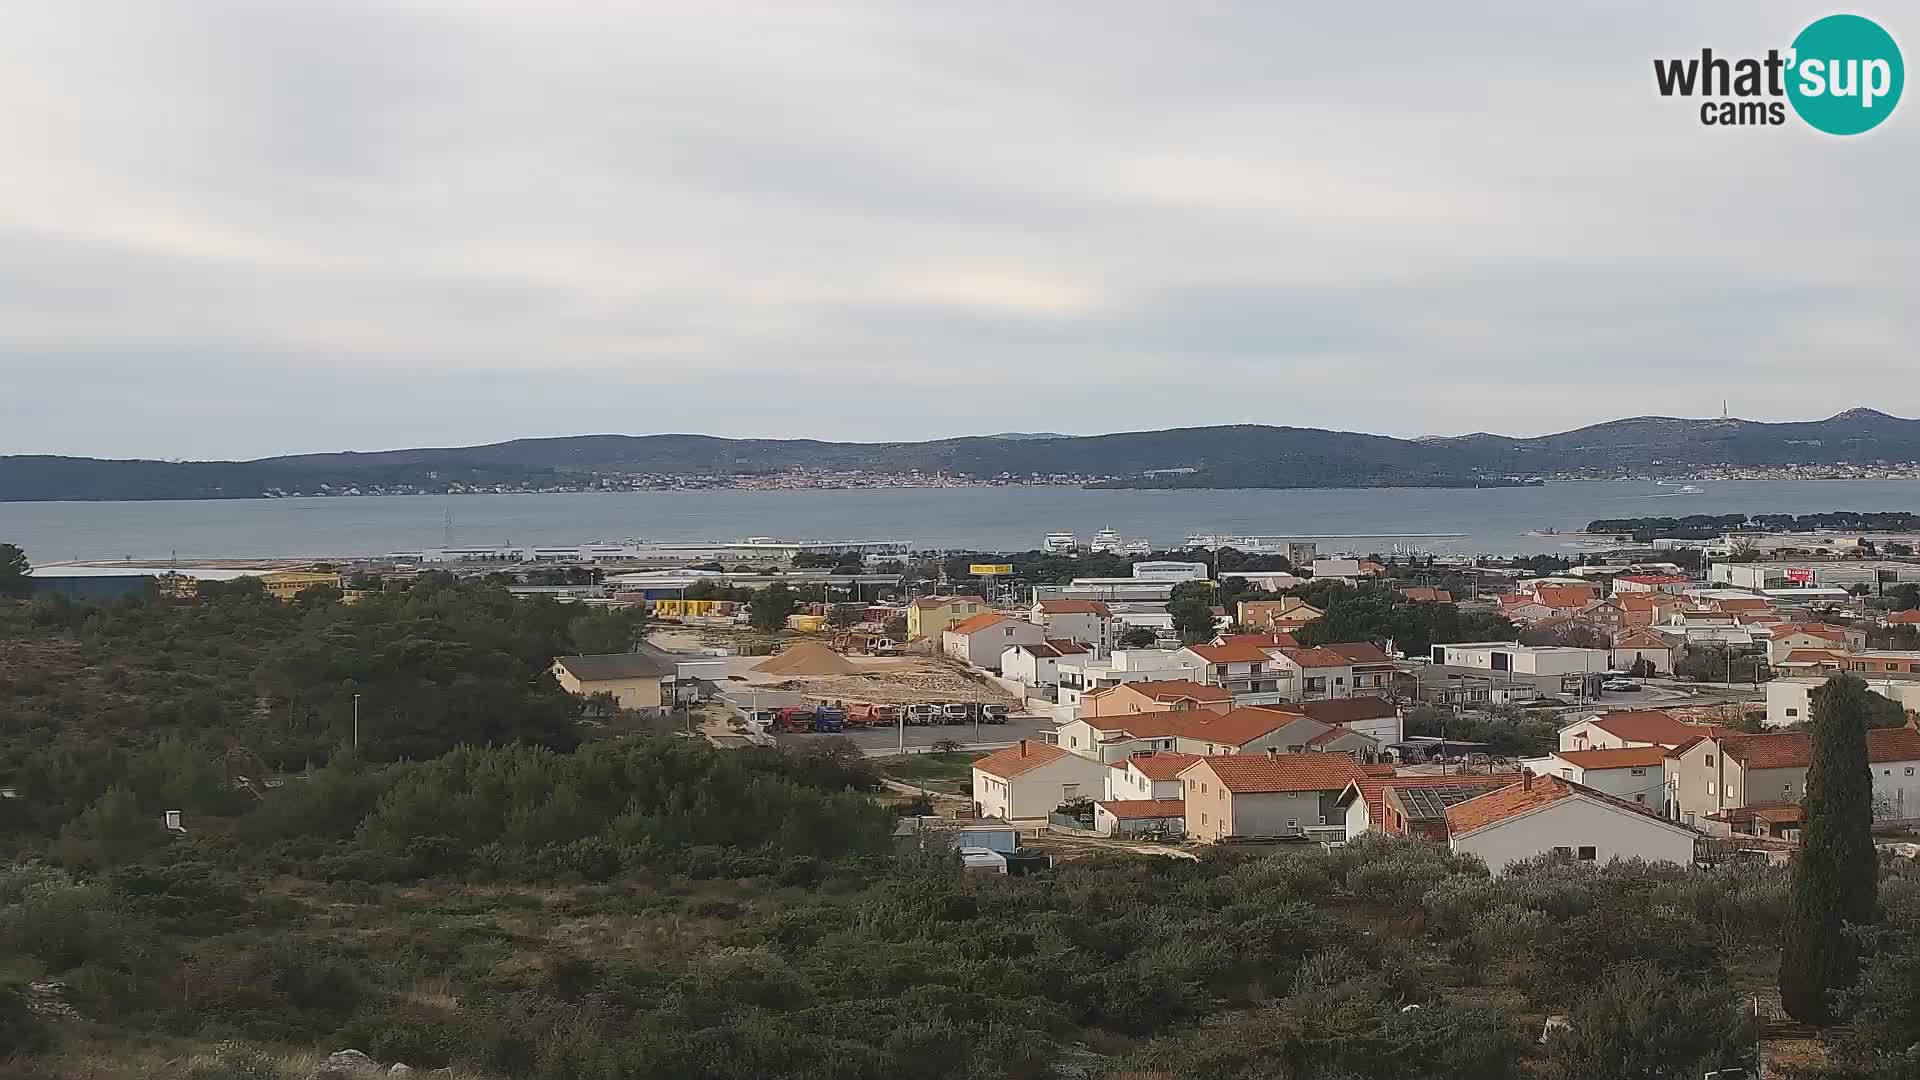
pixel 1229 654
pixel 1332 734
pixel 1021 758
pixel 1743 604
pixel 1815 656
pixel 1649 726
pixel 1264 641
pixel 976 624
pixel 1159 764
pixel 1426 594
pixel 1137 809
pixel 1794 749
pixel 1317 658
pixel 1519 798
pixel 1773 813
pixel 1248 774
pixel 1640 639
pixel 1074 607
pixel 1819 630
pixel 1566 596
pixel 1901 618
pixel 1177 689
pixel 1655 579
pixel 1341 710
pixel 1052 647
pixel 1632 757
pixel 1360 652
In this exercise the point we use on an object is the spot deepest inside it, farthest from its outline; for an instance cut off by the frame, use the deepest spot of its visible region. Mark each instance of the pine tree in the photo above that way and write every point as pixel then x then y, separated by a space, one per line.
pixel 15 571
pixel 1835 879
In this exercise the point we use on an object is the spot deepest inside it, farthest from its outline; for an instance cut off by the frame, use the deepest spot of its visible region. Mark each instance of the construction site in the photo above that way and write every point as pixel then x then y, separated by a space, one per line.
pixel 818 672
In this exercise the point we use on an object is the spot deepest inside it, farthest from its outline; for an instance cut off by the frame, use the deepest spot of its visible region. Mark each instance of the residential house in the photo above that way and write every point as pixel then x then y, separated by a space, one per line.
pixel 1373 670
pixel 1315 674
pixel 1410 805
pixel 1522 609
pixel 1633 646
pixel 1731 770
pixel 1603 617
pixel 1375 717
pixel 1206 732
pixel 1141 817
pixel 1089 622
pixel 1811 662
pixel 1085 674
pixel 1268 640
pixel 1651 583
pixel 639 681
pixel 1038 664
pixel 1552 815
pixel 929 616
pixel 1029 779
pixel 1639 609
pixel 1160 695
pixel 1637 727
pixel 982 640
pixel 1287 614
pixel 1425 594
pixel 1903 618
pixel 1634 773
pixel 1249 672
pixel 1264 795
pixel 1786 638
pixel 1790 699
pixel 1870 662
pixel 1147 774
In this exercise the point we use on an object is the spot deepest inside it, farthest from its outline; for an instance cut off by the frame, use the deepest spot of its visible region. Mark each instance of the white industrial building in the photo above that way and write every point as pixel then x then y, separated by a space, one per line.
pixel 1523 659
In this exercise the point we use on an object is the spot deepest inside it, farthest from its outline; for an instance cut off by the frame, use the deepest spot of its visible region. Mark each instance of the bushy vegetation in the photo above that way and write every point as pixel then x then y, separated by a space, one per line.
pixel 526 903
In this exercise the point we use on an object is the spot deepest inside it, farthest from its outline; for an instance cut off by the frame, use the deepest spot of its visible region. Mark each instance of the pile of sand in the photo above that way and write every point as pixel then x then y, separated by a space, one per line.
pixel 807 658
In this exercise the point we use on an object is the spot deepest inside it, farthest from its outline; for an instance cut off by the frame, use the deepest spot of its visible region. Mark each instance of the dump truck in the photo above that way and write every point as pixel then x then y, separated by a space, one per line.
pixel 923 713
pixel 957 712
pixel 795 719
pixel 827 718
pixel 869 714
pixel 993 714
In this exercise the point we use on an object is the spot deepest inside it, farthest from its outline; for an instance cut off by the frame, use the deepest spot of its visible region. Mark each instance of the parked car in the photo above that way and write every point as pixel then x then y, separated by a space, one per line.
pixel 1619 685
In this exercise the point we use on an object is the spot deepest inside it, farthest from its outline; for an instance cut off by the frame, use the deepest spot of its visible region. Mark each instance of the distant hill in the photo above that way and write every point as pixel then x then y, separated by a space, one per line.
pixel 1236 456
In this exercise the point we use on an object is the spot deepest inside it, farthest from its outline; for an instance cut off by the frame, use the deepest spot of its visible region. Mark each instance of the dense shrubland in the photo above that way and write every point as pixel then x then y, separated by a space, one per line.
pixel 648 907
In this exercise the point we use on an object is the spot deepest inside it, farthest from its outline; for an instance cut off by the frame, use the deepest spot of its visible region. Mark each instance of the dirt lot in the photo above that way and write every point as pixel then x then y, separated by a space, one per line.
pixel 900 682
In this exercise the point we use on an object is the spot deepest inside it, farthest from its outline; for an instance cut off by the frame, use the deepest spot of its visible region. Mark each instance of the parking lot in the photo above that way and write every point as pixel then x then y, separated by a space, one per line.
pixel 878 741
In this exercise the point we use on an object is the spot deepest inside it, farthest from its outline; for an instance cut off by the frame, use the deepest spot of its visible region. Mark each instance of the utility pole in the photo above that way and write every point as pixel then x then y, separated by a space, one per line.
pixel 356 723
pixel 900 721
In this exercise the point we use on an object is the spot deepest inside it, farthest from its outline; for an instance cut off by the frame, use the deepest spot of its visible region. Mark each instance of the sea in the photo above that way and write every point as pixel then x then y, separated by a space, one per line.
pixel 1500 521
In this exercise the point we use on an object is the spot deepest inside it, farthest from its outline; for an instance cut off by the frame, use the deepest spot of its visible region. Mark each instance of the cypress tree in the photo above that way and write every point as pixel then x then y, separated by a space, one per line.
pixel 1836 877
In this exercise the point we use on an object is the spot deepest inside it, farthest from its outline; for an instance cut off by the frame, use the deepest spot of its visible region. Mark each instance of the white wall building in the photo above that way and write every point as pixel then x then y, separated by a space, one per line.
pixel 1550 815
pixel 1038 665
pixel 1790 700
pixel 1081 675
pixel 983 639
pixel 1167 570
pixel 1523 659
pixel 1634 774
pixel 1029 779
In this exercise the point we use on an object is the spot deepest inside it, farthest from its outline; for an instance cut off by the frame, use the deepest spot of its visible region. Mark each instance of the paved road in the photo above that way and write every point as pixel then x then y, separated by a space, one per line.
pixel 991 736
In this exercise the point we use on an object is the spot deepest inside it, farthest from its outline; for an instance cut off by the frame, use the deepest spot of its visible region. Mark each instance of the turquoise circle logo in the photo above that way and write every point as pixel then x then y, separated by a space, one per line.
pixel 1847 75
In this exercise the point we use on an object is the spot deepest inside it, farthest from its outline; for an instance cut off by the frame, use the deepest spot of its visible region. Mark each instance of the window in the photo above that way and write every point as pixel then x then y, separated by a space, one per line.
pixel 1589 854
pixel 1909 770
pixel 1073 740
pixel 1709 787
pixel 1793 712
pixel 1709 761
pixel 1203 787
pixel 1562 850
pixel 1640 797
pixel 1323 819
pixel 1293 823
pixel 1069 792
pixel 1637 772
pixel 1223 795
pixel 1203 819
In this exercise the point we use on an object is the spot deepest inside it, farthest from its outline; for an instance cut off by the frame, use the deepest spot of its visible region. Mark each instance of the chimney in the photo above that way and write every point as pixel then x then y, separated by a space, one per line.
pixel 1273 751
pixel 1023 748
pixel 1526 779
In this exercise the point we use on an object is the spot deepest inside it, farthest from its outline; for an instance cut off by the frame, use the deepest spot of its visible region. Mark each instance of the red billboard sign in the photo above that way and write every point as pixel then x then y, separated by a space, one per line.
pixel 1799 577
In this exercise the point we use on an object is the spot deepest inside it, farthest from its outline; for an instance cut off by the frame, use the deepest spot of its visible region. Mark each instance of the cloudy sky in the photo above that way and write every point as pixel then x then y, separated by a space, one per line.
pixel 232 228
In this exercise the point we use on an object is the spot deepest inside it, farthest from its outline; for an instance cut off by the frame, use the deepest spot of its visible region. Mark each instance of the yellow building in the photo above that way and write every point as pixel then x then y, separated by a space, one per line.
pixel 931 616
pixel 285 585
pixel 638 681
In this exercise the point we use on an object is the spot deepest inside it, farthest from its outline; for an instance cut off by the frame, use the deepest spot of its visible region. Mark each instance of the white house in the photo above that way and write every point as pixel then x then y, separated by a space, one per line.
pixel 1641 727
pixel 1084 674
pixel 1523 659
pixel 1636 774
pixel 1088 622
pixel 1539 815
pixel 1029 779
pixel 1374 717
pixel 1038 665
pixel 1247 671
pixel 1315 674
pixel 981 640
pixel 1134 817
pixel 1642 644
pixel 1148 774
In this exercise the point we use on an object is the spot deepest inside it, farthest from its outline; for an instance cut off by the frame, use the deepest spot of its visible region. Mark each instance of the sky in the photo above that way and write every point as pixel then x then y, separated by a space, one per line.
pixel 236 228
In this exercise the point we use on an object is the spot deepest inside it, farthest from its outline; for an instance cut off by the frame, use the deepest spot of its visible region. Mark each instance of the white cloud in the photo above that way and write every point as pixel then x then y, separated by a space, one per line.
pixel 438 222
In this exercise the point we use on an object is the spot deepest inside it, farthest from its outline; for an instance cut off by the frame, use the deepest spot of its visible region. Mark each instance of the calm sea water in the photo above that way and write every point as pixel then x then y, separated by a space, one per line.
pixel 1496 520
